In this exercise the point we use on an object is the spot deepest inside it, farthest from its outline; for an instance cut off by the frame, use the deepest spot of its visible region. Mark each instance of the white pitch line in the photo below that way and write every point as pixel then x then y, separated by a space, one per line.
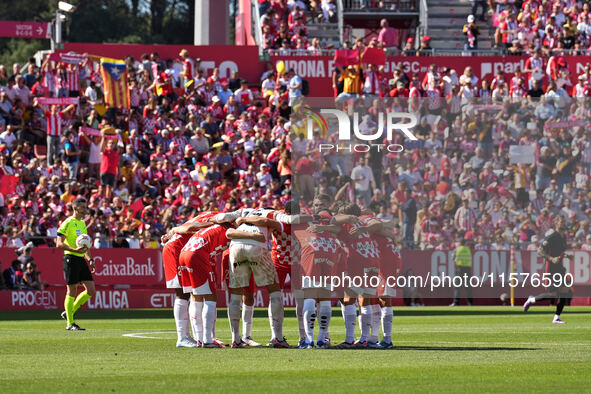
pixel 141 334
pixel 145 335
pixel 499 343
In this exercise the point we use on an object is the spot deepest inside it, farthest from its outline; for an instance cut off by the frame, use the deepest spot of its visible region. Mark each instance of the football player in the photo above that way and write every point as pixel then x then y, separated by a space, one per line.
pixel 173 242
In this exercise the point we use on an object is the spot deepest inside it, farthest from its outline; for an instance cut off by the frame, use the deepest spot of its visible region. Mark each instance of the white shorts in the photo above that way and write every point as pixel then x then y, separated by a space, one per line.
pixel 251 259
pixel 174 283
pixel 204 289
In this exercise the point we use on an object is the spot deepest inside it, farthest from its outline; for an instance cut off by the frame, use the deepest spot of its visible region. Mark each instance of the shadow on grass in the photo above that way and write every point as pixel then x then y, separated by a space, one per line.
pixel 473 311
pixel 262 312
pixel 463 348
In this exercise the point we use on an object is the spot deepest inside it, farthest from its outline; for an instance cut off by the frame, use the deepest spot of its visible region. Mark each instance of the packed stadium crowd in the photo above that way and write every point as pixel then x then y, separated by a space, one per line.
pixel 193 142
pixel 552 25
pixel 284 28
pixel 517 28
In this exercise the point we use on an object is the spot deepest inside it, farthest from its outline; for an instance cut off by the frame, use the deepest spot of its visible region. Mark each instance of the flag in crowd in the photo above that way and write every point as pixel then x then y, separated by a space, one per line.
pixel 114 76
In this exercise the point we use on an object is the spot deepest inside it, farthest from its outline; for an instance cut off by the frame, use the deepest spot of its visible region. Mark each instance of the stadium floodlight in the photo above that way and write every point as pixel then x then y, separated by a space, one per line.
pixel 59 18
pixel 66 7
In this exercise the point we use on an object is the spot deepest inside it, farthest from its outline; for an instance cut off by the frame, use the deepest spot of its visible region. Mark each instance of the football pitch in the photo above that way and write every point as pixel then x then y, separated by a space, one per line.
pixel 437 349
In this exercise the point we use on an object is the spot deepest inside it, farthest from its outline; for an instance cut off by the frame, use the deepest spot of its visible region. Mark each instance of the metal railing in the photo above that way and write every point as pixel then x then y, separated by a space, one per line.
pixel 258 29
pixel 389 52
pixel 396 52
pixel 379 6
pixel 299 52
pixel 423 20
pixel 340 20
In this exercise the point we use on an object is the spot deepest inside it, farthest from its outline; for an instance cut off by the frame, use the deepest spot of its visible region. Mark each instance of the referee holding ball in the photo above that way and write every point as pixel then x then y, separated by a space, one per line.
pixel 76 269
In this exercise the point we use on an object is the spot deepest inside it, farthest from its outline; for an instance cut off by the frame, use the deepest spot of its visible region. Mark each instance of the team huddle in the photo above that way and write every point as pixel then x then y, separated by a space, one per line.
pixel 259 248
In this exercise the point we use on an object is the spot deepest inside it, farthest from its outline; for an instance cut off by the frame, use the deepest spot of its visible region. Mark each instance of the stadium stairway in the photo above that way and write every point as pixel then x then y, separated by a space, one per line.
pixel 327 33
pixel 445 21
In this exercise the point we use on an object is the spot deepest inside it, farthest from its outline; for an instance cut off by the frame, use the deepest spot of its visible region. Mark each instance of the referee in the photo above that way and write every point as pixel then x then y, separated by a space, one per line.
pixel 75 267
pixel 552 250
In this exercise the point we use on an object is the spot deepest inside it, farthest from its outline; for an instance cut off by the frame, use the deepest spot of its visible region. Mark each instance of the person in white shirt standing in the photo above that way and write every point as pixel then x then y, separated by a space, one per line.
pixel 295 87
pixel 364 180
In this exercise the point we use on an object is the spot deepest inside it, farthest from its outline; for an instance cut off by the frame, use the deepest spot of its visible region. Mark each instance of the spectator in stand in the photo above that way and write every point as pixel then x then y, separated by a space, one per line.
pixel 409 47
pixel 32 277
pixel 483 4
pixel 72 154
pixel 388 36
pixel 425 47
pixel 295 88
pixel 351 83
pixel 13 276
pixel 304 176
pixel 408 210
pixel 8 137
pixel 465 217
pixel 109 162
pixel 453 129
pixel 471 31
pixel 364 180
pixel 24 254
pixel 2 284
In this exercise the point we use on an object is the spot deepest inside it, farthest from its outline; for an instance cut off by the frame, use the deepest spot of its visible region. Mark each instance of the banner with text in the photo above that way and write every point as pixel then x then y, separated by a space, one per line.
pixel 113 266
pixel 318 69
pixel 53 299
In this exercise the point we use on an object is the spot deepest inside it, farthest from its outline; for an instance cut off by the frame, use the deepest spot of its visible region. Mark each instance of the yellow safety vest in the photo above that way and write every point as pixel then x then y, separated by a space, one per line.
pixel 463 256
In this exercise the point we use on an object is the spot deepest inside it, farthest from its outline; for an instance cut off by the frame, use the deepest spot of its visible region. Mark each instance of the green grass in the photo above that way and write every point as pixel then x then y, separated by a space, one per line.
pixel 479 349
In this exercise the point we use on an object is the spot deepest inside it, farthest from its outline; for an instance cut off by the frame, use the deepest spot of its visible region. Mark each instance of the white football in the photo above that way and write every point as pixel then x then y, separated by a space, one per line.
pixel 84 240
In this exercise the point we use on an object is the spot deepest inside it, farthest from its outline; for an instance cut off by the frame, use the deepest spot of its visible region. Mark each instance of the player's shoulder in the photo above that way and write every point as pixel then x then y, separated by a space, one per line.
pixel 550 235
pixel 68 220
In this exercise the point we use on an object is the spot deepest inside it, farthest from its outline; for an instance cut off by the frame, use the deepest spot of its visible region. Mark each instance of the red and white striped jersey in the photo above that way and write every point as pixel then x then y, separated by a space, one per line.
pixel 188 73
pixel 152 173
pixel 208 95
pixel 434 98
pixel 73 81
pixel 455 104
pixel 580 90
pixel 181 141
pixel 49 81
pixel 54 123
pixel 534 64
pixel 414 92
pixel 496 82
pixel 149 124
pixel 57 171
pixel 372 83
pixel 517 91
pixel 243 97
pixel 465 219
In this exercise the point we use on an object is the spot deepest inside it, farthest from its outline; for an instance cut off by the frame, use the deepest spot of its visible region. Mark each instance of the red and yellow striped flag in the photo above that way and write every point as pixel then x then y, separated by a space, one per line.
pixel 114 74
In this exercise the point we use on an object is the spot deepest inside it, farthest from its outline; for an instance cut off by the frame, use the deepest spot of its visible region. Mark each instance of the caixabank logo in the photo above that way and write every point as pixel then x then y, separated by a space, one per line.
pixel 350 137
